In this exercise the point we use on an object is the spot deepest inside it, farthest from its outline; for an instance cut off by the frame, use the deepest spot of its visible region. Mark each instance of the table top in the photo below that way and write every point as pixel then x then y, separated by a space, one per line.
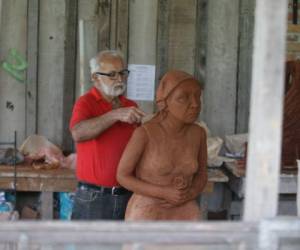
pixel 241 172
pixel 60 179
pixel 287 184
pixel 37 180
pixel 214 175
pixel 28 171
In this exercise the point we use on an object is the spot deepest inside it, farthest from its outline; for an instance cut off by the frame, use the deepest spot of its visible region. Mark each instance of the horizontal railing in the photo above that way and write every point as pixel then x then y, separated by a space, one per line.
pixel 267 233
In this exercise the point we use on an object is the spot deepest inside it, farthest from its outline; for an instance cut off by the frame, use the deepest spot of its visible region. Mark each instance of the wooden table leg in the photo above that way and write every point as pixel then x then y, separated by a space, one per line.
pixel 47 205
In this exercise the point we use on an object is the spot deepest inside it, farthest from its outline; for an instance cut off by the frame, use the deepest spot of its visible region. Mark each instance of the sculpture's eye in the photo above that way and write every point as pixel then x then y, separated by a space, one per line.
pixel 182 98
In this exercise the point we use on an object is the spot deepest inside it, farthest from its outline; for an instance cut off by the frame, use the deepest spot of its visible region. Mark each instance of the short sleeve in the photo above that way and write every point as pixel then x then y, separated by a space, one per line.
pixel 81 111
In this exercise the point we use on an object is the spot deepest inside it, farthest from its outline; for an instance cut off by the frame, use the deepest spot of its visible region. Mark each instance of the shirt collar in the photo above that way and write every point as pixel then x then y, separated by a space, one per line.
pixel 97 94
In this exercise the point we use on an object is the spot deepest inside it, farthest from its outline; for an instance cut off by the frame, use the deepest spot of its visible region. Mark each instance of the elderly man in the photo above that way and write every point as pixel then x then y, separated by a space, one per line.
pixel 102 123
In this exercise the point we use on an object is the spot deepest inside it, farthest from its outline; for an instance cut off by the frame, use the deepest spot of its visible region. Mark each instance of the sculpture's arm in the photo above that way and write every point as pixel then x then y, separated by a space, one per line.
pixel 200 179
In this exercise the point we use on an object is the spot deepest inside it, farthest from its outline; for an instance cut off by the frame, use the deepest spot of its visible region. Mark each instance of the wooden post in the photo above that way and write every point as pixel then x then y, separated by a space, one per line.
pixel 32 74
pixel 263 164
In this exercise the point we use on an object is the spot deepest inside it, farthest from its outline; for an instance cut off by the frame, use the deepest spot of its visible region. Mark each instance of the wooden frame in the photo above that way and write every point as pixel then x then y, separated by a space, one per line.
pixel 264 151
pixel 264 235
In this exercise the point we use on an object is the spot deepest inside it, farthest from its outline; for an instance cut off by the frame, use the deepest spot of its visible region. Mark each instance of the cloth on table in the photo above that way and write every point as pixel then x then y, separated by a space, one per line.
pixel 41 153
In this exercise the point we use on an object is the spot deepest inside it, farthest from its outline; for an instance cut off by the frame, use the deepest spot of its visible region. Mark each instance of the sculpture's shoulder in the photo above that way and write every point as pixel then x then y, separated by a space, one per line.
pixel 197 131
pixel 151 127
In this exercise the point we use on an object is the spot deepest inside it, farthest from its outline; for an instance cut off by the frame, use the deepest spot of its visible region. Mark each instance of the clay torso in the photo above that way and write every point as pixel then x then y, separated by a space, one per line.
pixel 167 160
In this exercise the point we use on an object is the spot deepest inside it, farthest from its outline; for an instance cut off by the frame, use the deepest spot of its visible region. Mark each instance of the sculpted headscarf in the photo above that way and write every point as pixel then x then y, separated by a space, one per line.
pixel 168 83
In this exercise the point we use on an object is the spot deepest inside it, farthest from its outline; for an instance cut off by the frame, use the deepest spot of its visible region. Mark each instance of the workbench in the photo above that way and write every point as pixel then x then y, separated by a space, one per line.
pixel 29 179
pixel 237 182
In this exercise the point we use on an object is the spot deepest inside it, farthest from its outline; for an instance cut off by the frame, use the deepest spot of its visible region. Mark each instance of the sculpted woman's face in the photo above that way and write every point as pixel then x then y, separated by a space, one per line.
pixel 184 102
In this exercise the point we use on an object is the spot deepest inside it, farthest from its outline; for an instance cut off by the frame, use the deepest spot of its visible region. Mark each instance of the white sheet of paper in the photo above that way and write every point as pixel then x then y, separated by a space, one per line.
pixel 141 82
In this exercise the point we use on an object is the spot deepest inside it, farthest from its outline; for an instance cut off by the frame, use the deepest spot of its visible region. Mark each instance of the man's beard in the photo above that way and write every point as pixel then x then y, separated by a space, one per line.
pixel 114 90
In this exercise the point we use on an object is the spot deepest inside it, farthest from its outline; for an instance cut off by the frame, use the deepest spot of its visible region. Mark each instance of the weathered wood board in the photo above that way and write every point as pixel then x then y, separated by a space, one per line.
pixel 219 102
pixel 13 35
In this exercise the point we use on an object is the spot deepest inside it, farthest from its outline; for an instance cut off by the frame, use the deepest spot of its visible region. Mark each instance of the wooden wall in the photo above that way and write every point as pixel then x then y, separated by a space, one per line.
pixel 12 91
pixel 199 36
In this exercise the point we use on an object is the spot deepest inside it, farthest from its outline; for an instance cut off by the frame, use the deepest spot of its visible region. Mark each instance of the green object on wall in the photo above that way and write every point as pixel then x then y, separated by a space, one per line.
pixel 15 65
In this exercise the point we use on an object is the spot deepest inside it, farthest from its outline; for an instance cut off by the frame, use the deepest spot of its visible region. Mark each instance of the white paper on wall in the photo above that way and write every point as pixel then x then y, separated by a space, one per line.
pixel 141 82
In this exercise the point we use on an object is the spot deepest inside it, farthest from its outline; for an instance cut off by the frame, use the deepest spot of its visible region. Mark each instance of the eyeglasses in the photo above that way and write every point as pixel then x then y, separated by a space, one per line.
pixel 113 74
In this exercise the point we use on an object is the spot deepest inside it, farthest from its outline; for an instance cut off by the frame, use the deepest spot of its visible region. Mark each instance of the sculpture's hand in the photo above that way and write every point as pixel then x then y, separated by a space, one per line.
pixel 173 197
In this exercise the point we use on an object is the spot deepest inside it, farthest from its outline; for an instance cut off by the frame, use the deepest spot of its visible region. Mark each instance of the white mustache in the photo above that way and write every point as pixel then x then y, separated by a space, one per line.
pixel 120 85
pixel 114 90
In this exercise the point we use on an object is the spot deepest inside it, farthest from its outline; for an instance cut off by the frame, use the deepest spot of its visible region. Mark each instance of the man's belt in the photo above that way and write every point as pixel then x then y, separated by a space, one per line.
pixel 103 190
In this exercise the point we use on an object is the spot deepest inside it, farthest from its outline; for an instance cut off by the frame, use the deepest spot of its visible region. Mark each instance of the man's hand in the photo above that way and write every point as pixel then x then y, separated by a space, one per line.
pixel 130 115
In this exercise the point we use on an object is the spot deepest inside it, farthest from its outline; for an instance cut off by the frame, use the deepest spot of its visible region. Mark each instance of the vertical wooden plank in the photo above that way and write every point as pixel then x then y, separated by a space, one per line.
pixel 122 28
pixel 103 23
pixel 52 38
pixel 90 10
pixel 90 49
pixel 46 205
pixel 81 53
pixel 0 13
pixel 162 39
pixel 69 70
pixel 113 24
pixel 95 17
pixel 13 35
pixel 182 18
pixel 246 29
pixel 219 104
pixel 201 40
pixel 142 37
pixel 201 43
pixel 32 71
pixel 263 164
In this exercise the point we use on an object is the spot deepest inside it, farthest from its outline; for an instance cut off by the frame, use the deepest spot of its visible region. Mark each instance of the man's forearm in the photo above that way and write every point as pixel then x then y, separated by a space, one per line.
pixel 89 129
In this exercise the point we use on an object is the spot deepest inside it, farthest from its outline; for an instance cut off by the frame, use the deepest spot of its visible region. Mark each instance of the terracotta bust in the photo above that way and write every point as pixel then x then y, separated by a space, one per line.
pixel 164 163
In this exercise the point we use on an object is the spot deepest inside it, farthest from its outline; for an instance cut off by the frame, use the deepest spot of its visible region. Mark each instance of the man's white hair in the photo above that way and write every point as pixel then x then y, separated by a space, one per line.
pixel 95 61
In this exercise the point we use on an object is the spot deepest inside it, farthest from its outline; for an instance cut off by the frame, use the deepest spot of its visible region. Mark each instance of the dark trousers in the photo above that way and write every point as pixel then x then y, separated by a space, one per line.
pixel 95 205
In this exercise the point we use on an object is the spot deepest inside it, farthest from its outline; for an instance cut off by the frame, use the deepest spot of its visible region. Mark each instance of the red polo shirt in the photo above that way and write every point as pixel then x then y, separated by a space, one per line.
pixel 97 159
